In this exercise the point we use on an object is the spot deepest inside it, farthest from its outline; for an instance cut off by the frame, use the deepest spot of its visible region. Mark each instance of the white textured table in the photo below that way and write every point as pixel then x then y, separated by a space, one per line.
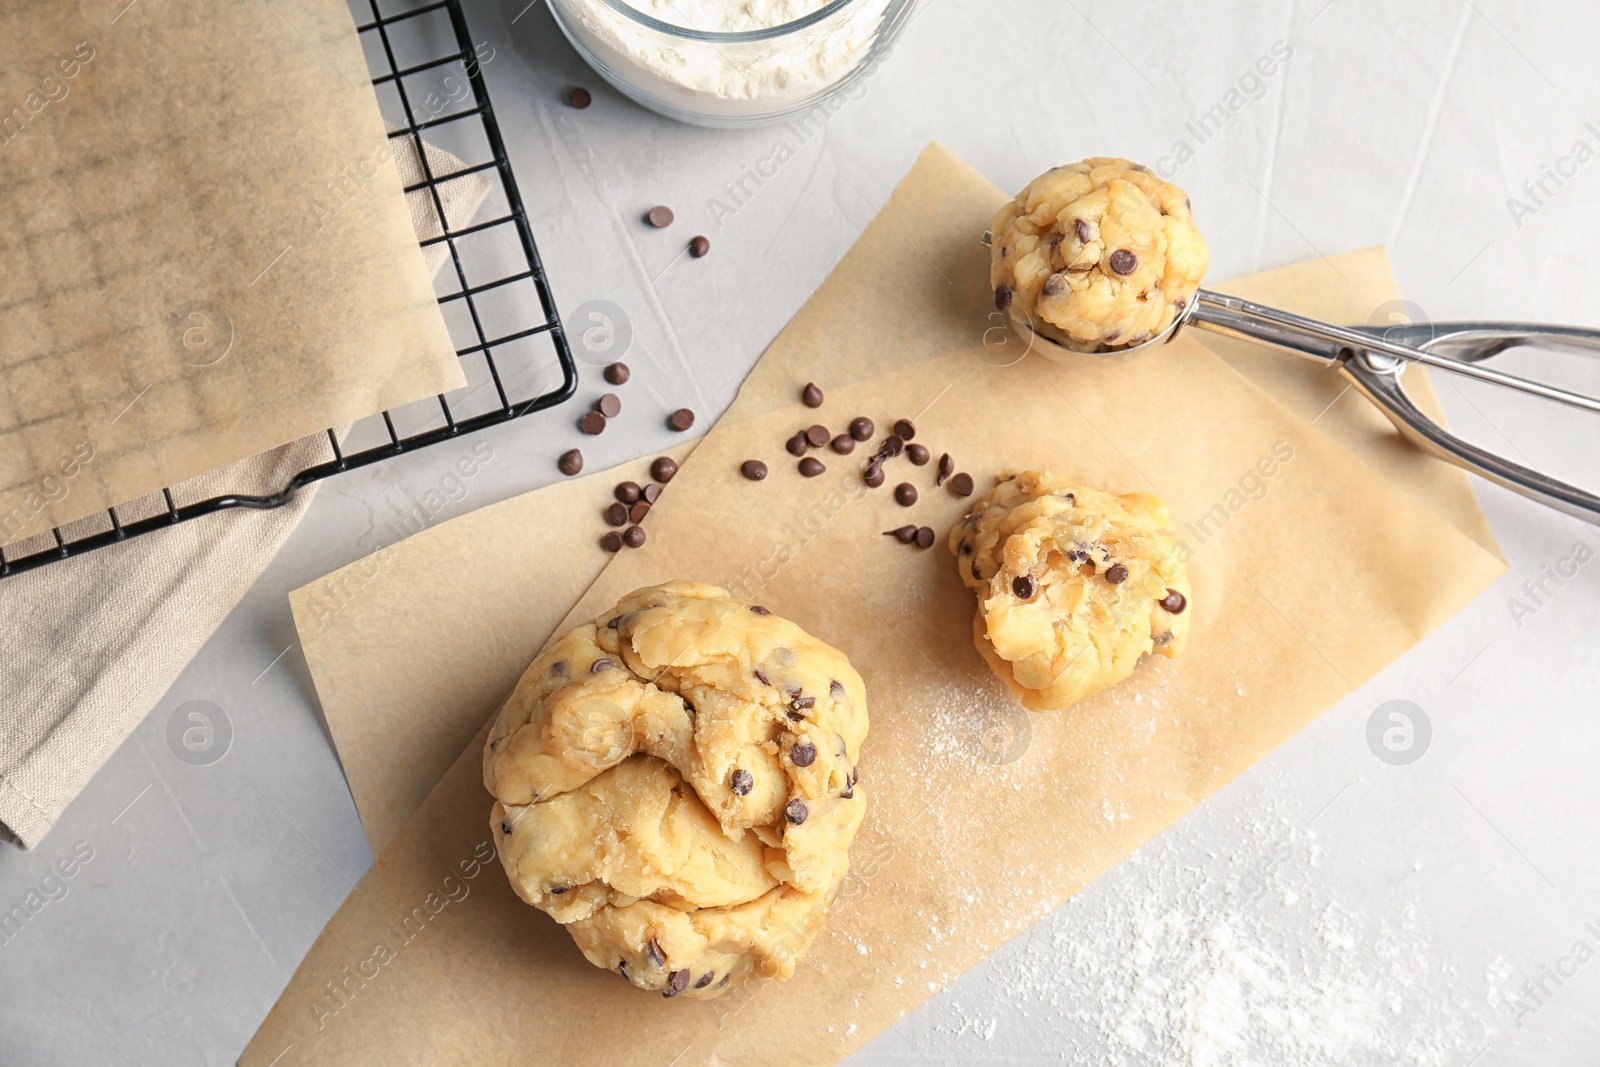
pixel 1328 906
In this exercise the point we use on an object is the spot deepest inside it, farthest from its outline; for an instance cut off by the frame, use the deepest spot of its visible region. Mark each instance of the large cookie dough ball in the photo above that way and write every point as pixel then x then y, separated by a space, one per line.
pixel 1074 585
pixel 675 783
pixel 1097 255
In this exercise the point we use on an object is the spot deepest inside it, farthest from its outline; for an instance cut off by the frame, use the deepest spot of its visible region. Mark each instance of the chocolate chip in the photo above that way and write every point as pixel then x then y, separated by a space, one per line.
pixel 760 677
pixel 505 827
pixel 741 782
pixel 873 475
pixel 637 513
pixel 836 690
pixel 797 445
pixel 680 980
pixel 961 484
pixel 592 423
pixel 892 446
pixel 805 703
pixel 1054 285
pixel 1081 228
pixel 905 534
pixel 803 754
pixel 627 492
pixel 604 663
pixel 1002 298
pixel 571 461
pixel 795 716
pixel 947 467
pixel 633 536
pixel 905 494
pixel 817 436
pixel 1124 261
pixel 579 97
pixel 1174 602
pixel 557 890
pixel 681 419
pixel 663 469
pixel 810 467
pixel 611 542
pixel 617 514
pixel 753 469
pixel 622 968
pixel 618 373
pixel 791 691
pixel 699 245
pixel 1116 574
pixel 796 811
pixel 811 396
pixel 1163 639
pixel 651 492
pixel 861 428
pixel 759 610
pixel 653 953
pixel 925 537
pixel 609 405
pixel 918 455
pixel 613 622
pixel 724 979
pixel 660 216
pixel 843 444
pixel 705 979
pixel 905 429
pixel 1022 586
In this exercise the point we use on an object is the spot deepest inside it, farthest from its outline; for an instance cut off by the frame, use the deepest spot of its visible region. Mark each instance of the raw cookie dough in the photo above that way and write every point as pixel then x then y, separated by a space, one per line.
pixel 675 783
pixel 1074 585
pixel 1096 255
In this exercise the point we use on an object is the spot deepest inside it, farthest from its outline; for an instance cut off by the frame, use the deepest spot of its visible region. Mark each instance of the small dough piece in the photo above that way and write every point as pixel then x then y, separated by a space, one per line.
pixel 675 783
pixel 1097 255
pixel 1073 584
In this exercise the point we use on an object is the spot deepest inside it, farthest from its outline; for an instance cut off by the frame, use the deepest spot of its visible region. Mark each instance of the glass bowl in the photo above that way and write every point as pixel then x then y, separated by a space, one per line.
pixel 733 79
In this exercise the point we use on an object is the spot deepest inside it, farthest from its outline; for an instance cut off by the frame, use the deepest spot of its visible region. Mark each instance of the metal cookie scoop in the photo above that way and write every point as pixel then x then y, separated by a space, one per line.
pixel 1374 358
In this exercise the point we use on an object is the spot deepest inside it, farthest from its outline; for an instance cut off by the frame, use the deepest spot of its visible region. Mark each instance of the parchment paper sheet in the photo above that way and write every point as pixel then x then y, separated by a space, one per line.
pixel 1306 581
pixel 206 253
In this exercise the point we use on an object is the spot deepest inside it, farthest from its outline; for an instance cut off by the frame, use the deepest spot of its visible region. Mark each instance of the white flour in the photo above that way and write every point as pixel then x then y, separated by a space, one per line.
pixel 791 66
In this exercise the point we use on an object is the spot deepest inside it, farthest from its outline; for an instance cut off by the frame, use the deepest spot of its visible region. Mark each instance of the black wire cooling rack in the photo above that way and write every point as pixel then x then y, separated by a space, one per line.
pixel 428 77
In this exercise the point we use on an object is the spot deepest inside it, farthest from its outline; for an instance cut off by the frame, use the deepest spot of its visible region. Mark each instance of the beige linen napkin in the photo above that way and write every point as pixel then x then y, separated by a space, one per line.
pixel 91 643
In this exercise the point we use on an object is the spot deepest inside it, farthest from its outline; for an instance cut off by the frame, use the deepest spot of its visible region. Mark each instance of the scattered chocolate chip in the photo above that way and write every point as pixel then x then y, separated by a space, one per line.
pixel 741 782
pixel 637 513
pixel 818 436
pixel 905 429
pixel 627 492
pixel 1124 261
pixel 977 576
pixel 873 475
pixel 760 677
pixel 679 980
pixel 651 492
pixel 794 716
pixel 618 373
pixel 1174 602
pixel 947 467
pixel 494 743
pixel 892 445
pixel 961 484
pixel 836 690
pixel 614 622
pixel 609 405
pixel 795 811
pixel 925 537
pixel 810 467
pixel 505 827
pixel 803 754
pixel 861 428
pixel 705 979
pixel 753 469
pixel 791 691
pixel 1002 298
pixel 622 968
pixel 1081 228
pixel 805 703
pixel 797 445
pixel 759 610
pixel 843 444
pixel 1116 574
pixel 918 455
pixel 601 664
pixel 571 461
pixel 579 97
pixel 724 979
pixel 653 953
pixel 681 419
pixel 1054 285
pixel 811 396
pixel 663 469
pixel 905 534
pixel 611 542
pixel 660 216
pixel 557 890
pixel 1022 586
pixel 592 423
pixel 633 536
pixel 905 494
pixel 617 514
pixel 699 245
pixel 1163 639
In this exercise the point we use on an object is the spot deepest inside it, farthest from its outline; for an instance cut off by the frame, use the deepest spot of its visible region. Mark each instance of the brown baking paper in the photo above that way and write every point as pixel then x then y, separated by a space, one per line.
pixel 206 251
pixel 982 817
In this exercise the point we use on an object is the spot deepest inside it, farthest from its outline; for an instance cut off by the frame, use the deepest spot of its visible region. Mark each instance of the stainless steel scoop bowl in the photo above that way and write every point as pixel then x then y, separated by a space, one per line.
pixel 1373 360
